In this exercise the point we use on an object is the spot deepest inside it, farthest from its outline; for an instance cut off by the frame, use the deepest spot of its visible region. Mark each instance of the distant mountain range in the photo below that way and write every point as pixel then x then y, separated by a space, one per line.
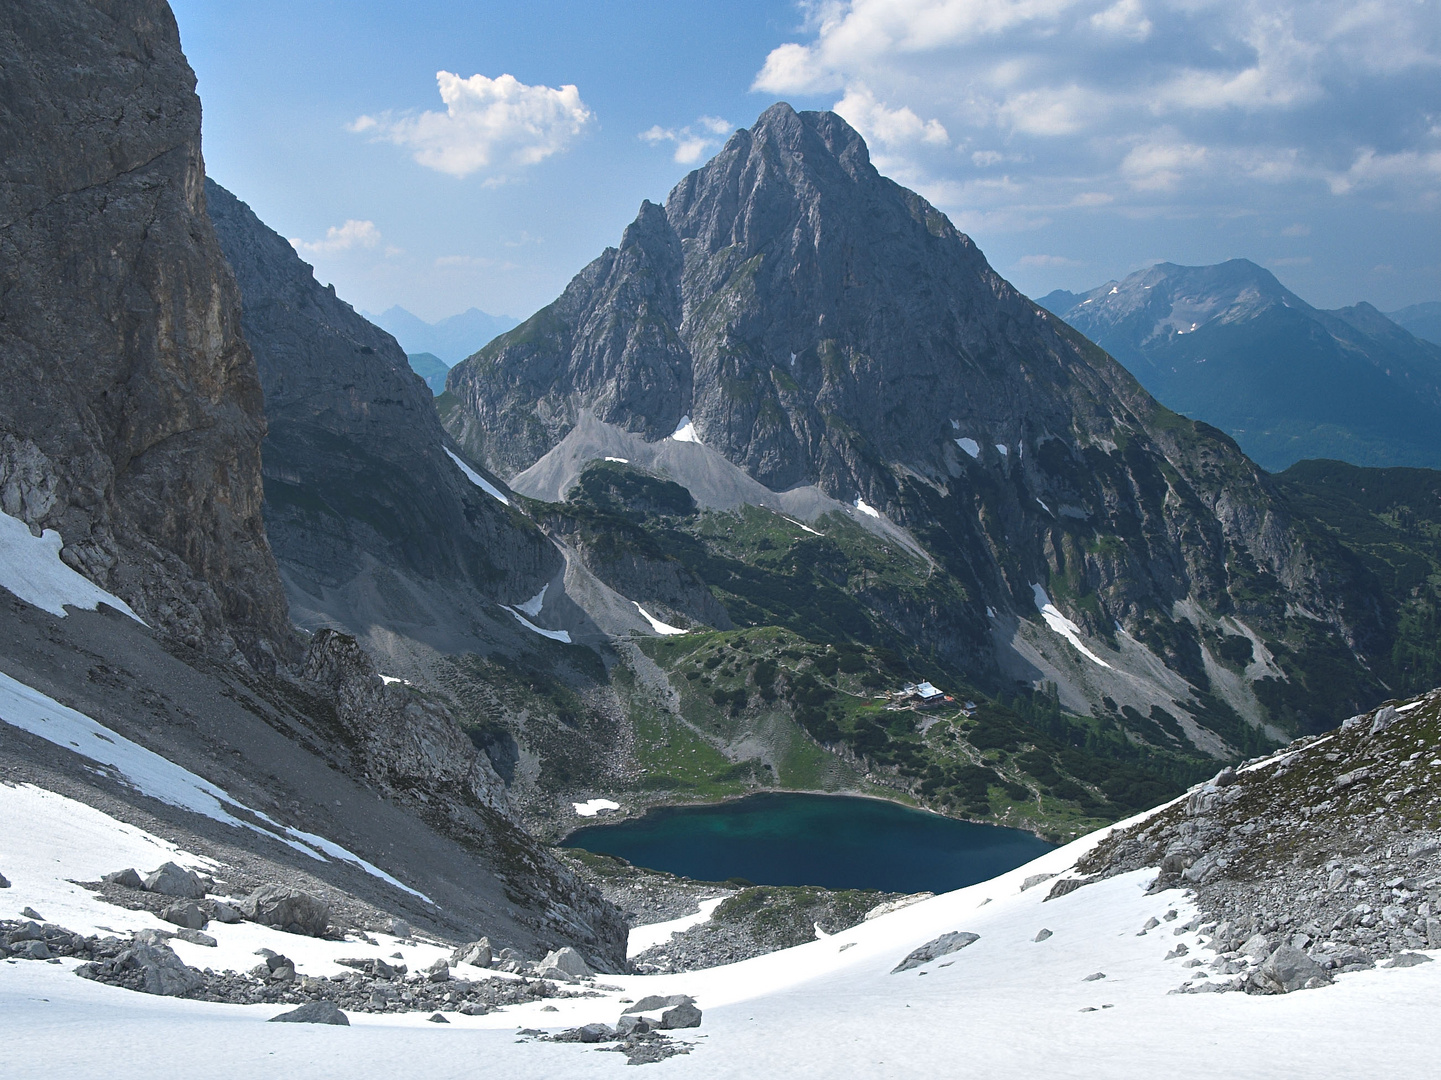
pixel 1423 320
pixel 449 340
pixel 1230 345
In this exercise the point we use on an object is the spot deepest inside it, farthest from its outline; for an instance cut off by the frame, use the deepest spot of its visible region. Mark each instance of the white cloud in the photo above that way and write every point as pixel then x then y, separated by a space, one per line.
pixel 1138 102
pixel 1048 262
pixel 353 234
pixel 693 141
pixel 489 125
pixel 1124 19
pixel 887 126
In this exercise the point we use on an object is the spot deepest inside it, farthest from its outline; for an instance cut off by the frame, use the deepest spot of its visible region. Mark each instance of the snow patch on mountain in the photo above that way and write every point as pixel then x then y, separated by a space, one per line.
pixel 31 568
pixel 476 479
pixel 1062 625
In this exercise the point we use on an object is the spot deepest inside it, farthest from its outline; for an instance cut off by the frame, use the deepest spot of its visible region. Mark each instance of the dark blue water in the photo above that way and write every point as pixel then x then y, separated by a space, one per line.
pixel 833 841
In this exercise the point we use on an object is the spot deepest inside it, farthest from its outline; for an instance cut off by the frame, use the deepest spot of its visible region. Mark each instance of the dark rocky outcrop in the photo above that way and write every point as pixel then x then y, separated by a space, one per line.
pixel 132 419
pixel 821 325
pixel 357 478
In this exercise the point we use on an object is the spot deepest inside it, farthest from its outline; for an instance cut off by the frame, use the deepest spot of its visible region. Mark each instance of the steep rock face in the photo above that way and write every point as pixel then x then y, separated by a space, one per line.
pixel 132 422
pixel 1229 344
pixel 356 465
pixel 609 344
pixel 837 330
pixel 401 738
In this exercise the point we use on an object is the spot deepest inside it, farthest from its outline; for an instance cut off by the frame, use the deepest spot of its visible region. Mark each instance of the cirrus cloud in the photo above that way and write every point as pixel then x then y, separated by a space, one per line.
pixel 489 125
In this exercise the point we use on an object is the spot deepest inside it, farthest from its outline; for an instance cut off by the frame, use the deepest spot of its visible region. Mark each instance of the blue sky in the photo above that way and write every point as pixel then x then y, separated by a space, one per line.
pixel 1075 140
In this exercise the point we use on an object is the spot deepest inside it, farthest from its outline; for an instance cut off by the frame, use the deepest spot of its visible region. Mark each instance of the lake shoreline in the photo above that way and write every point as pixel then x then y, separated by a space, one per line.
pixel 822 839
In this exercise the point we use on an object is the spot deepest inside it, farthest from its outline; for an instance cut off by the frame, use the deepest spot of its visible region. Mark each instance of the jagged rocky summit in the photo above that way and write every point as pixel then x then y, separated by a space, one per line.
pixel 815 327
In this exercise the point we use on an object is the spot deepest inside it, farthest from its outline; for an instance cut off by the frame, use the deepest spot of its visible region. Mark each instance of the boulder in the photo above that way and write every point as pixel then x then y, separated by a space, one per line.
pixel 1041 934
pixel 4 882
pixel 1034 880
pixel 165 973
pixel 657 1002
pixel 594 1033
pixel 1409 959
pixel 31 913
pixel 568 962
pixel 399 928
pixel 436 1018
pixel 287 909
pixel 476 953
pixel 222 912
pixel 941 946
pixel 1287 969
pixel 33 950
pixel 186 913
pixel 127 877
pixel 26 931
pixel 314 1012
pixel 684 1015
pixel 1257 947
pixel 176 881
pixel 195 937
pixel 439 971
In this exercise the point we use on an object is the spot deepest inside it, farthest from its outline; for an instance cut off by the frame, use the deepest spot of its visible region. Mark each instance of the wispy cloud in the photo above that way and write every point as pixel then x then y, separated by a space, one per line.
pixel 494 126
pixel 338 238
pixel 693 141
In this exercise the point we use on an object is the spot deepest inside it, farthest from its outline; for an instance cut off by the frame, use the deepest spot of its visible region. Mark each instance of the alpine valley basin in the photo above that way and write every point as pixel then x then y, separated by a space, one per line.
pixel 834 841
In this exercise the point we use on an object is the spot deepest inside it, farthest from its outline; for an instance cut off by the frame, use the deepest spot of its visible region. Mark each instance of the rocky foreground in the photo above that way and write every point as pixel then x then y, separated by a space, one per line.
pixel 1323 858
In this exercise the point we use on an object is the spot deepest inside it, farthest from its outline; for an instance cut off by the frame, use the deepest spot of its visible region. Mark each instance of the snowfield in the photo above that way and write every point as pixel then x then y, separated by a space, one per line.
pixel 1006 1006
pixel 30 567
pixel 476 479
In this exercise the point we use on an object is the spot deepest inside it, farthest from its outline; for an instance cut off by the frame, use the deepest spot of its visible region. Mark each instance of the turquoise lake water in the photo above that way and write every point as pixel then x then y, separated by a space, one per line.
pixel 835 841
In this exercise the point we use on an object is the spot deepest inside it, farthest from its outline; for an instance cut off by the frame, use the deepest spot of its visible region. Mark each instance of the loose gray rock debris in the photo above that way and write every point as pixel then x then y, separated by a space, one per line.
pixel 287 909
pixel 316 1012
pixel 941 946
pixel 172 880
pixel 1287 969
pixel 1321 859
pixel 150 968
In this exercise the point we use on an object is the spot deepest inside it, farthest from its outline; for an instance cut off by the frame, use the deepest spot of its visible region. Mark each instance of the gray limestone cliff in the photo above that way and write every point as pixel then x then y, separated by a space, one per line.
pixel 132 417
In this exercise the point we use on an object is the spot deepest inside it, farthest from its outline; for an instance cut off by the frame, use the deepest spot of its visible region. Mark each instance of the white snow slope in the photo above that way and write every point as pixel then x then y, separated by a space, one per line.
pixel 1005 1007
pixel 30 567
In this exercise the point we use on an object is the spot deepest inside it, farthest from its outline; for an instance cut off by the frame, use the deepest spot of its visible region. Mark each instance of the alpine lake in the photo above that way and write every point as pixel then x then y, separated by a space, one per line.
pixel 834 841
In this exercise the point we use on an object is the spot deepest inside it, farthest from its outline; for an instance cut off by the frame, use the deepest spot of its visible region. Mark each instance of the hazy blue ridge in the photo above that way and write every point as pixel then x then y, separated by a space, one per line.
pixel 450 340
pixel 1230 345
pixel 1423 320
